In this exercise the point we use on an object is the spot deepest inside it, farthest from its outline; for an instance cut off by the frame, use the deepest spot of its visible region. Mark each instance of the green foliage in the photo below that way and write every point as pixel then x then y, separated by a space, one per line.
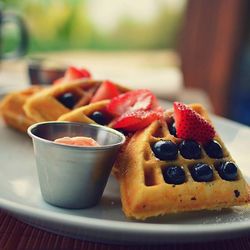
pixel 64 24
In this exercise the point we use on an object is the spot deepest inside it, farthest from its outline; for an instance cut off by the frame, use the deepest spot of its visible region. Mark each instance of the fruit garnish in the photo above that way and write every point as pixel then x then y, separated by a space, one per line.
pixel 202 172
pixel 85 73
pixel 228 171
pixel 136 120
pixel 80 141
pixel 190 149
pixel 174 175
pixel 191 125
pixel 213 149
pixel 172 128
pixel 107 90
pixel 165 150
pixel 99 117
pixel 73 73
pixel 68 99
pixel 141 99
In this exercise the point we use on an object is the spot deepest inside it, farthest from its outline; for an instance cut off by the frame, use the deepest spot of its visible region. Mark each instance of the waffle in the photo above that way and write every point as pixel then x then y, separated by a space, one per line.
pixel 45 105
pixel 11 108
pixel 144 193
pixel 82 114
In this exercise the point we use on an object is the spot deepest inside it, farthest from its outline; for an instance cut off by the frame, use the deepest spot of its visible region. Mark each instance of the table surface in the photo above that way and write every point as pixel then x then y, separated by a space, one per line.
pixel 15 234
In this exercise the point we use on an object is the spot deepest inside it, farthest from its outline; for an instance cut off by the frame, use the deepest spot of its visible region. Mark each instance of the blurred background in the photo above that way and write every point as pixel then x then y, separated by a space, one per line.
pixel 57 25
pixel 190 50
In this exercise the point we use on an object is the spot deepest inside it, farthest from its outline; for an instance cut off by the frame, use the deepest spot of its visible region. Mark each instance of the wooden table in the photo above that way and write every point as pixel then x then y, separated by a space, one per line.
pixel 17 235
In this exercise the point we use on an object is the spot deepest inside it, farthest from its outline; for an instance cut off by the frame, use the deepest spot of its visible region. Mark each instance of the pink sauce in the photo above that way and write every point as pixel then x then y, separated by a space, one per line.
pixel 79 141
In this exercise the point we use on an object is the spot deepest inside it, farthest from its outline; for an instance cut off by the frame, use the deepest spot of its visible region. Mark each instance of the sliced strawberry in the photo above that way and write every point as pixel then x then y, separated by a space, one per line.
pixel 107 90
pixel 85 73
pixel 191 125
pixel 141 99
pixel 73 73
pixel 136 120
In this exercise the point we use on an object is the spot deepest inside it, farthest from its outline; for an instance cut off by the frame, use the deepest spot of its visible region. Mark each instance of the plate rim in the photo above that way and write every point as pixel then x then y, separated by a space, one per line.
pixel 127 226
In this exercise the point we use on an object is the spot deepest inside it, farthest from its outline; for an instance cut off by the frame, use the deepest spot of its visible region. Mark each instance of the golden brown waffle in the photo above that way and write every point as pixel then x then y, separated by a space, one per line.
pixel 144 193
pixel 45 105
pixel 11 108
pixel 83 114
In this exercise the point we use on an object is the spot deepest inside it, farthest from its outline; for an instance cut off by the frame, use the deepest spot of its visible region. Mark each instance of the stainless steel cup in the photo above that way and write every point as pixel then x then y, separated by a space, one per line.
pixel 72 176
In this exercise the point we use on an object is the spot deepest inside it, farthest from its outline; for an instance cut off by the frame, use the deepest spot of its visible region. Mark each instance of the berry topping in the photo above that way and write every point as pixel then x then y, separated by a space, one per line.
pixel 213 149
pixel 172 129
pixel 73 73
pixel 99 117
pixel 191 125
pixel 165 150
pixel 202 172
pixel 190 149
pixel 174 175
pixel 141 99
pixel 136 120
pixel 228 171
pixel 68 99
pixel 107 90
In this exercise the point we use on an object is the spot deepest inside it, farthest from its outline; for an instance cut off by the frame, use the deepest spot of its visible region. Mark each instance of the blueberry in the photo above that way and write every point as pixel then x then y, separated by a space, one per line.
pixel 172 129
pixel 165 150
pixel 213 149
pixel 202 172
pixel 68 100
pixel 99 117
pixel 190 149
pixel 227 171
pixel 174 175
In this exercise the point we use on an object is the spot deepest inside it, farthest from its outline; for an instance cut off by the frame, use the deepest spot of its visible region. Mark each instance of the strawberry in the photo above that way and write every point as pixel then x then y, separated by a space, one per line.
pixel 141 99
pixel 191 125
pixel 73 73
pixel 136 120
pixel 85 73
pixel 107 90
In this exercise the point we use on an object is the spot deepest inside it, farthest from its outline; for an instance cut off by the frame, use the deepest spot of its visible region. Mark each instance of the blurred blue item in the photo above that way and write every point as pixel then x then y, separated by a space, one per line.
pixel 240 92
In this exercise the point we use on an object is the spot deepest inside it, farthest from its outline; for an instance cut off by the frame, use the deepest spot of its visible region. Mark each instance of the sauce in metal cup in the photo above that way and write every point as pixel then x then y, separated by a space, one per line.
pixel 72 176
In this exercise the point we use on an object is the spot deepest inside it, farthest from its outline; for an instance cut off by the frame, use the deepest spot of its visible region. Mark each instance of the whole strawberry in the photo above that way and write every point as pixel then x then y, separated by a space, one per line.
pixel 191 125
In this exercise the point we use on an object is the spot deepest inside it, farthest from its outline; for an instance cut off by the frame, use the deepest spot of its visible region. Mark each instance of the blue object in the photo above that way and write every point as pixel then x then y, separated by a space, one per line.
pixel 190 149
pixel 213 149
pixel 98 117
pixel 202 172
pixel 174 175
pixel 165 150
pixel 239 99
pixel 68 100
pixel 228 171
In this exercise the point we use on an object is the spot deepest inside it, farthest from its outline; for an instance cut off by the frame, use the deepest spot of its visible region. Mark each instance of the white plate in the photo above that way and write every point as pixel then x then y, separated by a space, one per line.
pixel 20 194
